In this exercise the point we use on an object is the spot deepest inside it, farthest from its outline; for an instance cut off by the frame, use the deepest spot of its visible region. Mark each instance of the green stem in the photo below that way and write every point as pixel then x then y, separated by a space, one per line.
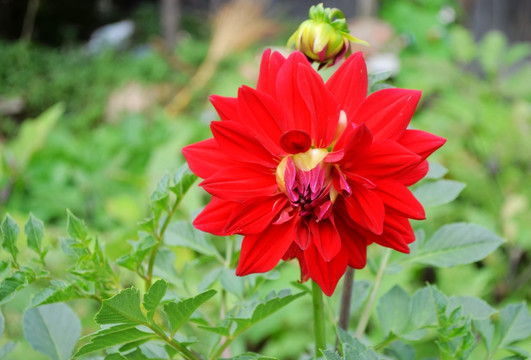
pixel 318 318
pixel 386 342
pixel 362 325
pixel 159 236
pixel 187 354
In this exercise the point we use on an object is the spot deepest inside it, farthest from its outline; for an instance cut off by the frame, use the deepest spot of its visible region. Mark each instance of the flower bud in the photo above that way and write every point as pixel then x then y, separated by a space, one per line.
pixel 324 37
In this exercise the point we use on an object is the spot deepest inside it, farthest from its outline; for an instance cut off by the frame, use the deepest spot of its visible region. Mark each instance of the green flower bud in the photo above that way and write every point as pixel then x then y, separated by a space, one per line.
pixel 324 37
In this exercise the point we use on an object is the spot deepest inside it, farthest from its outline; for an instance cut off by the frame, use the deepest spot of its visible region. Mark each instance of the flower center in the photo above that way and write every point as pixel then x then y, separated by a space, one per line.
pixel 305 179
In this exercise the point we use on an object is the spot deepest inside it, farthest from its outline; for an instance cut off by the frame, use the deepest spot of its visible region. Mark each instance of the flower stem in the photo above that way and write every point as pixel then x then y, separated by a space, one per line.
pixel 346 296
pixel 362 325
pixel 318 318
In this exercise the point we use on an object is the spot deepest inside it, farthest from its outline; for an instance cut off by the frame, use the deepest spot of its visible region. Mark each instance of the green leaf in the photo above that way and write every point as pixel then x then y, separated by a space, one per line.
pixel 34 230
pixel 393 311
pixel 250 356
pixel 400 351
pixel 7 348
pixel 54 294
pixel 436 171
pixel 272 304
pixel 153 297
pixel 517 53
pixel 515 324
pixel 476 308
pixel 330 355
pixel 32 136
pixel 422 309
pixel 160 196
pixel 75 226
pixel 115 356
pixel 361 289
pixel 438 192
pixel 353 348
pixel 123 308
pixel 110 339
pixel 141 248
pixel 183 179
pixel 455 244
pixel 179 312
pixel 11 285
pixel 486 330
pixel 221 330
pixel 52 330
pixel 232 283
pixel 10 231
pixel 183 233
pixel 493 46
pixel 463 45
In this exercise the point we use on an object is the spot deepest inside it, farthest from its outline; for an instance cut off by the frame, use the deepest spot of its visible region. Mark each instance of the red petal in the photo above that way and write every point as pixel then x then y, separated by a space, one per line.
pixel 387 112
pixel 354 142
pixel 290 97
pixel 214 217
pixel 226 107
pixel 352 242
pixel 321 104
pixel 325 238
pixel 262 252
pixel 303 235
pixel 295 141
pixel 237 143
pixel 349 84
pixel 384 159
pixel 397 234
pixel 412 174
pixel 295 252
pixel 240 183
pixel 205 158
pixel 251 217
pixel 262 117
pixel 325 273
pixel 366 209
pixel 421 142
pixel 398 197
pixel 269 68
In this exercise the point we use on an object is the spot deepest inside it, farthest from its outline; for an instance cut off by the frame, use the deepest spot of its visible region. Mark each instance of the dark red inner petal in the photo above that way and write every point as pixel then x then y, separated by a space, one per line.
pixel 295 141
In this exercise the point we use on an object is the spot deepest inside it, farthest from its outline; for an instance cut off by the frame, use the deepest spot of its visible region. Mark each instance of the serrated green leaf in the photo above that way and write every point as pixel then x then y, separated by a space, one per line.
pixel 264 309
pixel 183 233
pixel 474 307
pixel 34 230
pixel 75 227
pixel 393 311
pixel 515 324
pixel 52 330
pixel 123 308
pixel 101 342
pixel 456 244
pixel 11 285
pixel 7 348
pixel 221 330
pixel 183 179
pixel 161 195
pixel 9 231
pixel 141 248
pixel 435 193
pixel 55 294
pixel 179 312
pixel 153 297
pixel 330 355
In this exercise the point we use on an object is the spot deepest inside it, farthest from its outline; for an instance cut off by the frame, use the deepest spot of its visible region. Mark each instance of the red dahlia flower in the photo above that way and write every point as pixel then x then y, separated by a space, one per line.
pixel 312 170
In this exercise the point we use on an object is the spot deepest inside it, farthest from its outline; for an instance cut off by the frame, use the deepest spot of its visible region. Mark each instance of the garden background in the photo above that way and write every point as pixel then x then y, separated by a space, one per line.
pixel 91 121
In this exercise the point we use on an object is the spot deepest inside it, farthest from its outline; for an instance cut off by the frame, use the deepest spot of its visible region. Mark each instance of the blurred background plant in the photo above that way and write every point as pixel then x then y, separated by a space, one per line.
pixel 91 123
